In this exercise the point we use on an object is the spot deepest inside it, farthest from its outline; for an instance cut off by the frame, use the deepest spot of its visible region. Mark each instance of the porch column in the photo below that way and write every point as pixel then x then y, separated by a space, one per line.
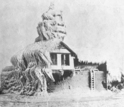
pixel 71 61
pixel 59 60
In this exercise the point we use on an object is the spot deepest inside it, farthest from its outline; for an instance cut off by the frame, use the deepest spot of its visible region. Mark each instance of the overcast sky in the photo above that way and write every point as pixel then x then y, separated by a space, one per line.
pixel 95 28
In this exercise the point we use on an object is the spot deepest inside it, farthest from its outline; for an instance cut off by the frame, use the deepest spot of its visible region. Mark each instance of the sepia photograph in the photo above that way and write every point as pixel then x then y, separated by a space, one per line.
pixel 61 53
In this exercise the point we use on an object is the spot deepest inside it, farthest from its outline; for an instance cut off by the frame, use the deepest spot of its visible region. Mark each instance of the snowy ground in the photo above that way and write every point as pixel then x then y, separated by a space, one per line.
pixel 66 98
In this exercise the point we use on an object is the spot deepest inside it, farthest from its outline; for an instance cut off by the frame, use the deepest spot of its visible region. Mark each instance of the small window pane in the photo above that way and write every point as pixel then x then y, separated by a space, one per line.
pixel 65 59
pixel 54 58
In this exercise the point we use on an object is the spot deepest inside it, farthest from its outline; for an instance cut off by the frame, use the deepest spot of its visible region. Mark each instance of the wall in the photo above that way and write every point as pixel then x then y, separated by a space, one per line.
pixel 99 78
pixel 80 80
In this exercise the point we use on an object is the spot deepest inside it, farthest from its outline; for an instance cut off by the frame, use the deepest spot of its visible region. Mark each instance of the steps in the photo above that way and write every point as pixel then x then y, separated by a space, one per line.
pixel 92 79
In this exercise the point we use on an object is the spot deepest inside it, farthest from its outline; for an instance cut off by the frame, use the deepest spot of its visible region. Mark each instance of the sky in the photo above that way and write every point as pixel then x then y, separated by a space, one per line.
pixel 95 28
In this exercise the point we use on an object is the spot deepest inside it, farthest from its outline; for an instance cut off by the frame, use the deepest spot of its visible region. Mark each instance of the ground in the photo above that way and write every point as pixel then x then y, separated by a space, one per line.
pixel 66 98
pixel 71 92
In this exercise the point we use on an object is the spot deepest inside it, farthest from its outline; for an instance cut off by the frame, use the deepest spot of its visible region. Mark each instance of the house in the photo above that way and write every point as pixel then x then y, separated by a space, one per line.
pixel 62 57
pixel 54 50
pixel 53 55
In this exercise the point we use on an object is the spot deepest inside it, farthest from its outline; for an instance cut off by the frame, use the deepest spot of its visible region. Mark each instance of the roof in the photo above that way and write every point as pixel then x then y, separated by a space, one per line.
pixel 43 46
pixel 48 46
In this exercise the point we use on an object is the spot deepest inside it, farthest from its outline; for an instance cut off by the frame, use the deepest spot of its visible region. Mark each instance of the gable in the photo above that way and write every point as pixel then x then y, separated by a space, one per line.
pixel 63 48
pixel 69 49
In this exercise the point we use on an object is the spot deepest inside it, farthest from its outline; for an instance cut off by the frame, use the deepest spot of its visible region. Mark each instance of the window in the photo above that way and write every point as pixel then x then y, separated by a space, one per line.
pixel 54 58
pixel 65 59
